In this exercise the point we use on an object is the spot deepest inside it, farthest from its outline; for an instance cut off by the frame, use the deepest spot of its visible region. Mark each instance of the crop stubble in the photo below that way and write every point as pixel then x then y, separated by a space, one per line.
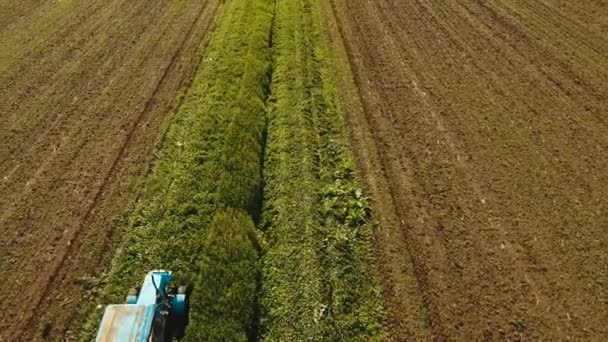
pixel 482 136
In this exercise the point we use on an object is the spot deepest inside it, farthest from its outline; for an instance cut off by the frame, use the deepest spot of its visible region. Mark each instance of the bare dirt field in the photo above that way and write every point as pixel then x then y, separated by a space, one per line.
pixel 482 135
pixel 480 129
pixel 85 92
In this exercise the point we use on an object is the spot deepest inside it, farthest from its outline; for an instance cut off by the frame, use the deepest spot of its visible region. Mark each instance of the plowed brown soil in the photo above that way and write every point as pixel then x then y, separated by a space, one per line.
pixel 86 89
pixel 482 134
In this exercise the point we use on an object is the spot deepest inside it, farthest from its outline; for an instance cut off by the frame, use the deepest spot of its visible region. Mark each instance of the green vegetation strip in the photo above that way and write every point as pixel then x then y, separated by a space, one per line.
pixel 198 210
pixel 195 215
pixel 316 282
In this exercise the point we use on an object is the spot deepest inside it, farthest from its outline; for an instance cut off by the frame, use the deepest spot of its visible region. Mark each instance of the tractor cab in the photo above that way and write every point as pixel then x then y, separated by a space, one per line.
pixel 156 312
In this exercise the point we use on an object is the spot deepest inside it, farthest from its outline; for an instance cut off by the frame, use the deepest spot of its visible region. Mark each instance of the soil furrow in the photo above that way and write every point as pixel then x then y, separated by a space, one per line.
pixel 153 67
pixel 484 131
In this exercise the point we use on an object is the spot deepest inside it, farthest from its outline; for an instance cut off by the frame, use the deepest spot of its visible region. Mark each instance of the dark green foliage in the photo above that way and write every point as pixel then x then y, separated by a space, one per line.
pixel 227 280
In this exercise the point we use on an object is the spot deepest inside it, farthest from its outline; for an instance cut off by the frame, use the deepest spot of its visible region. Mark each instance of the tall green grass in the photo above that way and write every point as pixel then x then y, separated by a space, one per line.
pixel 316 281
pixel 196 214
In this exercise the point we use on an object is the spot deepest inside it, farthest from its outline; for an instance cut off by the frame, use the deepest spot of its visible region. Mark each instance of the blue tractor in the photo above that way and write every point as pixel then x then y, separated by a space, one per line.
pixel 156 312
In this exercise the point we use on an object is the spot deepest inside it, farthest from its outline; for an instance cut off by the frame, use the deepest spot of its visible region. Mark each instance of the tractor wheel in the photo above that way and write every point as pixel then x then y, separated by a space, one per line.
pixel 185 290
pixel 133 295
pixel 182 290
pixel 134 291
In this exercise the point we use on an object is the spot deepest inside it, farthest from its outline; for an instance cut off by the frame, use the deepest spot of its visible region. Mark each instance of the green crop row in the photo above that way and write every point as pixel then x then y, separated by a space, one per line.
pixel 304 273
pixel 196 214
pixel 316 279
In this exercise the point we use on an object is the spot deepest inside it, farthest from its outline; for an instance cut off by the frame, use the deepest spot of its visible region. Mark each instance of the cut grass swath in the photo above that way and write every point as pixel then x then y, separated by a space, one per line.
pixel 195 216
pixel 316 282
